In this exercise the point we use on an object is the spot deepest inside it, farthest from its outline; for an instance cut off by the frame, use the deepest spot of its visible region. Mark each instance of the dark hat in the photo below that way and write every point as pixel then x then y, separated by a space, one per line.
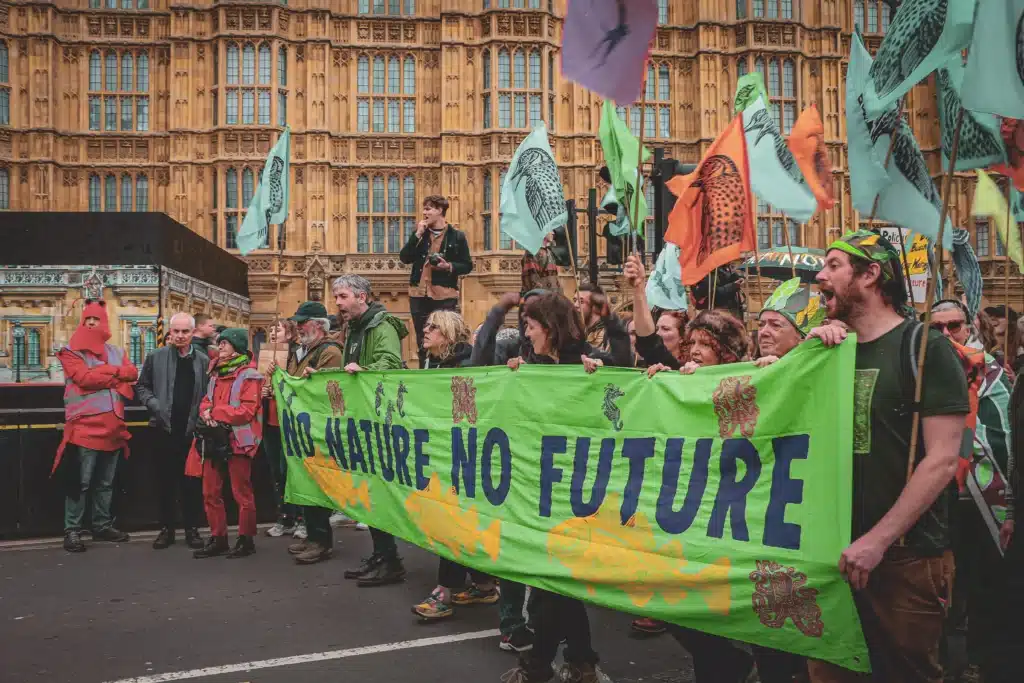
pixel 220 328
pixel 1000 312
pixel 237 337
pixel 309 310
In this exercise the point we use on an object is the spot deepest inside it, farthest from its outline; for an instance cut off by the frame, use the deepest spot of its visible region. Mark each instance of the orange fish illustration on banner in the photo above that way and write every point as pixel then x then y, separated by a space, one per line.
pixel 438 514
pixel 336 482
pixel 807 143
pixel 600 551
pixel 713 219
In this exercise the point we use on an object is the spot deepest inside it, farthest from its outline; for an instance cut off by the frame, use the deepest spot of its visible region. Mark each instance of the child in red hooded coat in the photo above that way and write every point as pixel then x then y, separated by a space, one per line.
pixel 98 379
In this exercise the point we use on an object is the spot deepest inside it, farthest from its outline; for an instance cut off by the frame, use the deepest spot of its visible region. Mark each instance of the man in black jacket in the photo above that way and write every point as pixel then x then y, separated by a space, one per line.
pixel 439 254
pixel 171 385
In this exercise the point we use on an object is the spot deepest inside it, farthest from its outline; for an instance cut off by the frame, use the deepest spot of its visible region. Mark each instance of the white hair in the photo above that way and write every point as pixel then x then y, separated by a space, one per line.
pixel 186 316
pixel 324 323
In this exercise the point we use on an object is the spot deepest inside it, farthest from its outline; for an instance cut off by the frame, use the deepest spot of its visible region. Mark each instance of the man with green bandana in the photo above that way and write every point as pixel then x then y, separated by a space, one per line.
pixel 899 563
pixel 785 319
pixel 373 342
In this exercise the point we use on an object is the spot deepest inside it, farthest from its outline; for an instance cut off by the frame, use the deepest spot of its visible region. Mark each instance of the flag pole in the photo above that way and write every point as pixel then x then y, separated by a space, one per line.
pixel 1006 275
pixel 906 266
pixel 789 244
pixel 635 226
pixel 714 286
pixel 947 191
pixel 280 265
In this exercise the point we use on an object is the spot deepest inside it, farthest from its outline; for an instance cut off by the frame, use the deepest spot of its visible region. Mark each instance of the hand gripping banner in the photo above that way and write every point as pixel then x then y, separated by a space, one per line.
pixel 720 501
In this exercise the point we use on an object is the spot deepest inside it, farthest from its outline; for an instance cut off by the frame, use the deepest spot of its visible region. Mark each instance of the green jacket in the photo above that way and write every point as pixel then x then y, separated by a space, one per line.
pixel 375 340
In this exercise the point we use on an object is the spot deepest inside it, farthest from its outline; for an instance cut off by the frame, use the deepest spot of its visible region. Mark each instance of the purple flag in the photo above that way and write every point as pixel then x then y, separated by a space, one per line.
pixel 605 45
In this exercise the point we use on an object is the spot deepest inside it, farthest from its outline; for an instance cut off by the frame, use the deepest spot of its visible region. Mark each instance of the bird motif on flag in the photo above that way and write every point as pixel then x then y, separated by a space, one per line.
pixel 906 155
pixel 543 185
pixel 762 124
pixel 614 36
pixel 975 141
pixel 913 34
pixel 723 212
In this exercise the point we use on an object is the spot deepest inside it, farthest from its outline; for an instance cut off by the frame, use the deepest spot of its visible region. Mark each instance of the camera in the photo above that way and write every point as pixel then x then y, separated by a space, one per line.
pixel 435 259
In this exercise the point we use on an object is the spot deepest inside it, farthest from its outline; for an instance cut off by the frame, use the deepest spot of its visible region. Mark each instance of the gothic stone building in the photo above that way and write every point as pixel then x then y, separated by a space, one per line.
pixel 122 105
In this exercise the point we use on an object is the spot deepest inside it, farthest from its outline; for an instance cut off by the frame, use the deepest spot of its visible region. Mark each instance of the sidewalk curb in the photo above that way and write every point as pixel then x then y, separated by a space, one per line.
pixel 58 541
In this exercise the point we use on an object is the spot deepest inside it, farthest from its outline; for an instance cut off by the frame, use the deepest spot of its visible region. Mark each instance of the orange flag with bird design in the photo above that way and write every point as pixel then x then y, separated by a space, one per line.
pixel 807 143
pixel 712 222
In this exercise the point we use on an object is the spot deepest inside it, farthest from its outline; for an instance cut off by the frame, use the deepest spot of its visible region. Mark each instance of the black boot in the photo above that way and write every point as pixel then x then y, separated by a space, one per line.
pixel 73 542
pixel 244 547
pixel 111 535
pixel 164 539
pixel 387 572
pixel 217 545
pixel 368 566
pixel 192 538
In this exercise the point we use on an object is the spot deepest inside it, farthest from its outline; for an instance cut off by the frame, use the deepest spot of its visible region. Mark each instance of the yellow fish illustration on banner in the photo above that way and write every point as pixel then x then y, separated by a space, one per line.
pixel 336 482
pixel 600 551
pixel 437 513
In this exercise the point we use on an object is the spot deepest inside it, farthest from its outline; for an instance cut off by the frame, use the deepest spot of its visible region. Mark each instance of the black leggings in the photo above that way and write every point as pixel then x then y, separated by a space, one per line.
pixel 557 617
pixel 452 575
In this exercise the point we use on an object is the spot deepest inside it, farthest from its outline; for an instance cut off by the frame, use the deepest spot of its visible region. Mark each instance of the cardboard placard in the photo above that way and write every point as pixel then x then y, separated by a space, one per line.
pixel 272 352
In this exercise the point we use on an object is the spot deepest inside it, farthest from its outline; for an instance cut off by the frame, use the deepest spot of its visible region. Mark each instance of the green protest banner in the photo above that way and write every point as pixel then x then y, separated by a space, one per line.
pixel 720 501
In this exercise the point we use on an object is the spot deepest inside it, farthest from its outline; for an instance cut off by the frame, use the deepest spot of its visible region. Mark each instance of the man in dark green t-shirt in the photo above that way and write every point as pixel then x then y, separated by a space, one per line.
pixel 899 563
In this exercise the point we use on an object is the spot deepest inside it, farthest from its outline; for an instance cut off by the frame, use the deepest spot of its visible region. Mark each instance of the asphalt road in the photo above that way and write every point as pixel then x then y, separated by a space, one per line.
pixel 129 613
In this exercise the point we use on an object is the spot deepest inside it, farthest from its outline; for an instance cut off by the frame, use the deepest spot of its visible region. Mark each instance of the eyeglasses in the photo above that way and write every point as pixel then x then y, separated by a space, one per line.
pixel 952 327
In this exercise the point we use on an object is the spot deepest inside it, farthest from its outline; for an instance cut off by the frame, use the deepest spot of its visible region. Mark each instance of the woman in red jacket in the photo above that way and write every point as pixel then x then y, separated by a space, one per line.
pixel 232 401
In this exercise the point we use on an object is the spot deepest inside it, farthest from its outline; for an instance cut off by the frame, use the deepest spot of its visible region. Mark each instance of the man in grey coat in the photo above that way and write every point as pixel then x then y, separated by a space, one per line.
pixel 171 385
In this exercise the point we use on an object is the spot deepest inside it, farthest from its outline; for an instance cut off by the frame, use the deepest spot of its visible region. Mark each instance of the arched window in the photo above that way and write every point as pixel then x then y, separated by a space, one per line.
pixel 410 7
pixel 126 192
pixel 363 194
pixel 520 69
pixel 231 189
pixel 858 14
pixel 110 192
pixel 282 67
pixel 378 194
pixel 111 75
pixel 127 72
pixel 786 9
pixel 5 71
pixel 662 11
pixel 248 64
pixel 664 83
pixel 409 207
pixel 378 74
pixel 232 65
pixel 488 207
pixel 142 81
pixel 788 79
pixel 651 85
pixel 142 193
pixel 741 9
pixel 5 189
pixel 247 187
pixel 486 65
pixel 265 64
pixel 33 350
pixel 95 70
pixel 773 78
pixel 741 66
pixel 94 192
pixel 409 81
pixel 364 6
pixel 535 70
pixel 394 76
pixel 363 74
pixel 759 8
pixel 504 69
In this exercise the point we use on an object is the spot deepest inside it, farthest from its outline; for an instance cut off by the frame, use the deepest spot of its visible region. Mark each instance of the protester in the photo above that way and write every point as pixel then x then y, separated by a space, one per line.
pixel 445 340
pixel 592 304
pixel 316 351
pixel 784 321
pixel 495 345
pixel 374 343
pixel 171 386
pixel 998 316
pixel 204 335
pixel 557 336
pixel 232 414
pixel 664 343
pixel 289 515
pixel 539 271
pixel 899 563
pixel 97 380
pixel 439 255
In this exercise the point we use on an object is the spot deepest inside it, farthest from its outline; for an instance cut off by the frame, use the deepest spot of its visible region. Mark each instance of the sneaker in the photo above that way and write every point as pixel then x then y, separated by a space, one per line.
pixel 314 553
pixel 386 572
pixel 73 542
pixel 244 547
pixel 193 539
pixel 648 626
pixel 520 640
pixel 111 535
pixel 279 530
pixel 298 548
pixel 300 532
pixel 578 673
pixel 434 607
pixel 341 520
pixel 361 527
pixel 474 595
pixel 165 539
pixel 369 564
pixel 217 545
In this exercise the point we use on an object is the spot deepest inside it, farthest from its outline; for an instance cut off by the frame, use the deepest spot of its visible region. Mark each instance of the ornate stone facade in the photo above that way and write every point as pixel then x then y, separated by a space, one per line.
pixel 173 108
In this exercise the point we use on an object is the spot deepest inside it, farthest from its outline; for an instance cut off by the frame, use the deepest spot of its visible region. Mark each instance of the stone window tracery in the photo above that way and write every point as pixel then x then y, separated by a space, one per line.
pixel 520 92
pixel 658 114
pixel 251 66
pixel 393 101
pixel 129 192
pixel 112 76
pixel 386 212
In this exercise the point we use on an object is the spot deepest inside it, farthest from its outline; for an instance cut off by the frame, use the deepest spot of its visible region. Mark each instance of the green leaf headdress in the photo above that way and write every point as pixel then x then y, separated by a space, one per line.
pixel 797 304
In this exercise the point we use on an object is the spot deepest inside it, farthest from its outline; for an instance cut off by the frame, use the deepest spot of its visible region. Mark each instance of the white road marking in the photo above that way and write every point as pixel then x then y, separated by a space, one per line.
pixel 306 659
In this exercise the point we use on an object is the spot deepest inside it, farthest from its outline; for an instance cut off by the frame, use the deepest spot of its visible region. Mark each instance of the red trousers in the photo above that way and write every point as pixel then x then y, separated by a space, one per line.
pixel 240 473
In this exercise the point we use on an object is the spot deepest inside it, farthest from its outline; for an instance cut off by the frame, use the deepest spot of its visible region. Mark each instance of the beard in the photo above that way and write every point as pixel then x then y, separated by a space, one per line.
pixel 845 304
pixel 308 340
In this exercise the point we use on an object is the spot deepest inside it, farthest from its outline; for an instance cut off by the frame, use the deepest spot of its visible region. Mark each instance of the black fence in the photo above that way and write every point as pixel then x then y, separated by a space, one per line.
pixel 32 503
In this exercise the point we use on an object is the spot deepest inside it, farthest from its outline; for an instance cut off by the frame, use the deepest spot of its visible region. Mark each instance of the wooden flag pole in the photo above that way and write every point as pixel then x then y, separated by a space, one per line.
pixel 1006 276
pixel 634 226
pixel 906 268
pixel 789 246
pixel 280 266
pixel 757 260
pixel 922 351
pixel 714 286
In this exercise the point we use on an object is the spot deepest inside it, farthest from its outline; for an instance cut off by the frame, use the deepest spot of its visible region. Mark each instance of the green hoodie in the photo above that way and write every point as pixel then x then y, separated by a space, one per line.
pixel 375 340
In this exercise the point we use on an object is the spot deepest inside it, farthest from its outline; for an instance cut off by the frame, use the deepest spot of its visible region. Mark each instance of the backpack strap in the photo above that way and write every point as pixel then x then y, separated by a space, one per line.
pixel 910 344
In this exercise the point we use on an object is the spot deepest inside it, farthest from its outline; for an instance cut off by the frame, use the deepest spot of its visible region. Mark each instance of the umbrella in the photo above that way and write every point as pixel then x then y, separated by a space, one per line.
pixel 777 264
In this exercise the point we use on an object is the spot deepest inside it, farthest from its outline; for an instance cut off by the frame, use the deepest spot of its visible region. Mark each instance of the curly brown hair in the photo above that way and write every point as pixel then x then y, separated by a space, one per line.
pixel 556 314
pixel 728 336
pixel 680 319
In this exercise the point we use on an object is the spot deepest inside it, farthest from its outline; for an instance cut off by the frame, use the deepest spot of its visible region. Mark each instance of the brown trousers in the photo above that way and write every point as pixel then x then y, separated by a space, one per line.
pixel 902 611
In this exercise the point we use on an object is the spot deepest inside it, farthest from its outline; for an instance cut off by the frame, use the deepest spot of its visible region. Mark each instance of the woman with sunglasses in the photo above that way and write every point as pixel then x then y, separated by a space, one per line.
pixel 446 346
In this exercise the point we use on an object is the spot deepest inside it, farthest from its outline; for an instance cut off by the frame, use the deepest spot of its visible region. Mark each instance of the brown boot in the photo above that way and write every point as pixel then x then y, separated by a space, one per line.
pixel 299 548
pixel 313 554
